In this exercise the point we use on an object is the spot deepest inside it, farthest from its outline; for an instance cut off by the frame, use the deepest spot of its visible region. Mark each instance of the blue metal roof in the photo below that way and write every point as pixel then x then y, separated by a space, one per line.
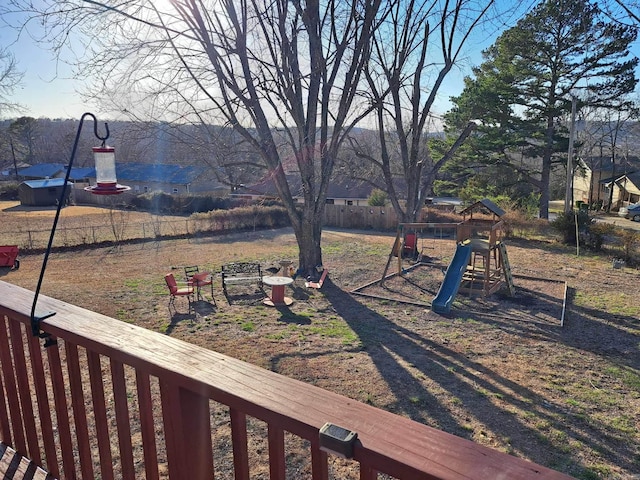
pixel 161 173
pixel 42 170
pixel 82 172
pixel 48 183
pixel 134 172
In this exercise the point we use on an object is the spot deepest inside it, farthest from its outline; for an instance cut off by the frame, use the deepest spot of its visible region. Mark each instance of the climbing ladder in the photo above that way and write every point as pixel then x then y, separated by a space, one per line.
pixel 506 268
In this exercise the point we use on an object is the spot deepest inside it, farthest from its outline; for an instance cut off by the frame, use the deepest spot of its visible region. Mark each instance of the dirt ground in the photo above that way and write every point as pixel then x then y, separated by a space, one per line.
pixel 500 370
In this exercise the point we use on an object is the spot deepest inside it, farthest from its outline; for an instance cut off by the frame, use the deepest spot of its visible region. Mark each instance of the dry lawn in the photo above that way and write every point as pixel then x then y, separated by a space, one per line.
pixel 500 371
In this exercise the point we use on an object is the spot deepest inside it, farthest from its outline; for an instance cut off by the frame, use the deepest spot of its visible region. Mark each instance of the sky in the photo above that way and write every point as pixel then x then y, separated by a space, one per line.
pixel 48 89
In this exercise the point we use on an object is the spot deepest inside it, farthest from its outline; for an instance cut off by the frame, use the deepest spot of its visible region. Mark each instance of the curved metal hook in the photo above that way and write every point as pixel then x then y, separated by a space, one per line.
pixel 95 127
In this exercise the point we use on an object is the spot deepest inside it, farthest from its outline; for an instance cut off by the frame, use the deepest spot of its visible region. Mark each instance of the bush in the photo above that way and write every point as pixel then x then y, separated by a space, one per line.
pixel 565 225
pixel 595 236
pixel 378 198
pixel 160 202
pixel 630 243
pixel 9 191
pixel 242 218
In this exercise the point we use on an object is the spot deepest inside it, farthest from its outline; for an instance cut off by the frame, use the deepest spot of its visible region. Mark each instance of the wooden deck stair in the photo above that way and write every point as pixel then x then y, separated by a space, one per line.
pixel 16 467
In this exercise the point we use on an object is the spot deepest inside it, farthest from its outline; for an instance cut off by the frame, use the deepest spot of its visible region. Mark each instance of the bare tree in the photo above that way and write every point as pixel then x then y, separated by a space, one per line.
pixel 10 78
pixel 256 65
pixel 411 58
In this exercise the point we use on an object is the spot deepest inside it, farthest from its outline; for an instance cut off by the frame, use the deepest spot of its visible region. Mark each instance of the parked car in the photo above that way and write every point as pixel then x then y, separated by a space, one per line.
pixel 633 212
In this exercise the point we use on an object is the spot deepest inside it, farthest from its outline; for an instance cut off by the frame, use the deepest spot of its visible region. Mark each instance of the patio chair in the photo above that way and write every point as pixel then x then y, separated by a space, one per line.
pixel 202 279
pixel 190 271
pixel 176 291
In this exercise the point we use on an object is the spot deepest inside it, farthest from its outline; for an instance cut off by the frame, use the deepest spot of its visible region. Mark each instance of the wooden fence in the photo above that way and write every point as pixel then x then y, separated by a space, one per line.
pixel 374 218
pixel 118 228
pixel 93 234
pixel 360 217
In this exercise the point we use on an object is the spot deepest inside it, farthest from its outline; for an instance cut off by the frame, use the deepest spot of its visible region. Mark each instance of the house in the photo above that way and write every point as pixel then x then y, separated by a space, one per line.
pixel 596 176
pixel 141 177
pixel 151 177
pixel 42 192
pixel 626 189
pixel 342 192
pixel 8 169
pixel 41 171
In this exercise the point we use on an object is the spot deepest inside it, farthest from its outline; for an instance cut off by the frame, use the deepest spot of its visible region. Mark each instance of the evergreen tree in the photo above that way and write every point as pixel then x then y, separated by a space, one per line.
pixel 522 91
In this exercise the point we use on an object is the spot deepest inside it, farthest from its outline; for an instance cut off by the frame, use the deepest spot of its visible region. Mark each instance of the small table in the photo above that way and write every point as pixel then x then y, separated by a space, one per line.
pixel 277 297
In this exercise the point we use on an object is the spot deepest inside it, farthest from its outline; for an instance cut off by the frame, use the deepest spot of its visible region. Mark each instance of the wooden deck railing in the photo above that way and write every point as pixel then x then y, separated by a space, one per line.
pixel 112 400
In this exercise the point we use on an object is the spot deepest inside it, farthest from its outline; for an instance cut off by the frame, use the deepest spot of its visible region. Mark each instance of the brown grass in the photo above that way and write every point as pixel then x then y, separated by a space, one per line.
pixel 500 371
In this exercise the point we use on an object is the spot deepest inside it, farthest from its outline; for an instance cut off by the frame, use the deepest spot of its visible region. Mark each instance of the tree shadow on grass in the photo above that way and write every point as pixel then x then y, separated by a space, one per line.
pixel 199 308
pixel 402 356
pixel 177 318
pixel 587 329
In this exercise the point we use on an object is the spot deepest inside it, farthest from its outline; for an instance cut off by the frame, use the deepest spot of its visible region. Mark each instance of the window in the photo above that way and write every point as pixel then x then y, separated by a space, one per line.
pixel 175 190
pixel 330 201
pixel 146 189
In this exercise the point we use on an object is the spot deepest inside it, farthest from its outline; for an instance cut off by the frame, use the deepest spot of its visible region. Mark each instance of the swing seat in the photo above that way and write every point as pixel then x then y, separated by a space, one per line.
pixel 410 246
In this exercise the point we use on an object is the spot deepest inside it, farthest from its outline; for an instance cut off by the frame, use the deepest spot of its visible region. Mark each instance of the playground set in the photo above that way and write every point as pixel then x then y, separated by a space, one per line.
pixel 480 262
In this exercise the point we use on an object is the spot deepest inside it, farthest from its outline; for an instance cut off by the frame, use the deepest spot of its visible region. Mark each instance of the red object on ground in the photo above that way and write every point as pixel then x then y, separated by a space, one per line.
pixel 8 256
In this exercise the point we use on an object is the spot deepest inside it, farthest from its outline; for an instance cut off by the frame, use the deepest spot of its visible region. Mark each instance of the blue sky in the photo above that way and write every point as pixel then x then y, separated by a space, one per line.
pixel 48 90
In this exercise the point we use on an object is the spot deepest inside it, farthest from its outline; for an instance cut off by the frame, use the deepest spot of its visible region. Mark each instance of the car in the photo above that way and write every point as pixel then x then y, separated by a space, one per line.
pixel 633 212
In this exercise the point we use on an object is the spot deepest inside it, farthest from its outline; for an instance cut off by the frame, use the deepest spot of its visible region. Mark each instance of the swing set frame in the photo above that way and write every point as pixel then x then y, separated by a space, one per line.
pixel 405 245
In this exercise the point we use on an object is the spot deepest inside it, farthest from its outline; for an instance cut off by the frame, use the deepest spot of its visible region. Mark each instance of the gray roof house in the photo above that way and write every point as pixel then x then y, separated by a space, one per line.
pixel 347 192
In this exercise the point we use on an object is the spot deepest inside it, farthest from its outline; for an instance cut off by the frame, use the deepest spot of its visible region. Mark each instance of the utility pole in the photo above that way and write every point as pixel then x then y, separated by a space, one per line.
pixel 13 153
pixel 568 195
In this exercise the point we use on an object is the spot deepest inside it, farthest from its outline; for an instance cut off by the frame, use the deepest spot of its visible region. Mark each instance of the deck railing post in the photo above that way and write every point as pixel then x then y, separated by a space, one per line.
pixel 188 432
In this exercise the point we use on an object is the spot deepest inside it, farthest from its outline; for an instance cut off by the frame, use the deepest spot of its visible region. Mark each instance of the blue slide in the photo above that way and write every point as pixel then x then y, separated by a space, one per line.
pixel 451 283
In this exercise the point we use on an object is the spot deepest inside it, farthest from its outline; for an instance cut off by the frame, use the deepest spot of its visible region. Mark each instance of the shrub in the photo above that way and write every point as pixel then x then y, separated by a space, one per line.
pixel 529 205
pixel 520 218
pixel 9 191
pixel 630 243
pixel 160 202
pixel 378 198
pixel 242 218
pixel 156 202
pixel 595 236
pixel 565 225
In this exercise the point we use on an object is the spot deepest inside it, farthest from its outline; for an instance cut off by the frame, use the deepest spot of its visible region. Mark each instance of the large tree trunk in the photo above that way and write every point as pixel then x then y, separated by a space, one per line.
pixel 308 234
pixel 545 177
pixel 544 188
